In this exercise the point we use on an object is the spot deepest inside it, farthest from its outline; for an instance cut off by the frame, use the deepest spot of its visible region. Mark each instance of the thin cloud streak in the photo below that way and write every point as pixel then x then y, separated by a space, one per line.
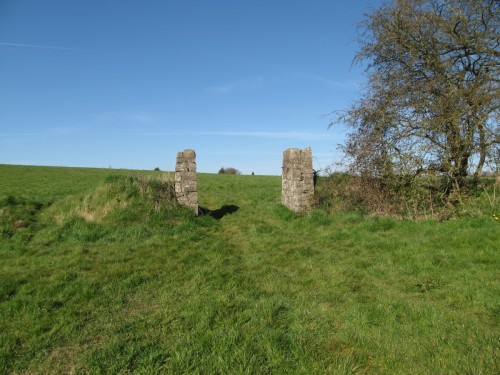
pixel 140 117
pixel 336 84
pixel 276 135
pixel 53 132
pixel 65 130
pixel 43 47
pixel 22 134
pixel 240 153
pixel 266 135
pixel 242 85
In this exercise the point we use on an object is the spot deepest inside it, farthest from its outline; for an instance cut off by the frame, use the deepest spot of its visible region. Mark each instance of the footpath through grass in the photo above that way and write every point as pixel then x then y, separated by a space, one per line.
pixel 99 280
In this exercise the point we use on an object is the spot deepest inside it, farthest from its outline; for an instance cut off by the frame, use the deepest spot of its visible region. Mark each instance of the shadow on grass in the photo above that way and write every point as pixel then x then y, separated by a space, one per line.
pixel 219 213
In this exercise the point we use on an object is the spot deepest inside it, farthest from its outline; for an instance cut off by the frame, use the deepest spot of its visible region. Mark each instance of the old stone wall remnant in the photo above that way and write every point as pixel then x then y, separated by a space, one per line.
pixel 185 180
pixel 297 182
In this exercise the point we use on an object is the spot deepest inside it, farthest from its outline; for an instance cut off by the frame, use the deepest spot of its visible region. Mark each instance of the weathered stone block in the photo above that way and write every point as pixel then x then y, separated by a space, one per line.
pixel 189 186
pixel 185 165
pixel 185 179
pixel 297 187
pixel 189 176
pixel 189 154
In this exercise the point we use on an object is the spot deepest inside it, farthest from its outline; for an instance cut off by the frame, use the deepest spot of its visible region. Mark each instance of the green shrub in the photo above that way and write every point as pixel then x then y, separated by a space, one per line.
pixel 229 170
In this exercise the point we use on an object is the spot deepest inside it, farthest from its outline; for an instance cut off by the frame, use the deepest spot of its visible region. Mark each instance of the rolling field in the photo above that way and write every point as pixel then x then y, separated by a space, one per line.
pixel 96 278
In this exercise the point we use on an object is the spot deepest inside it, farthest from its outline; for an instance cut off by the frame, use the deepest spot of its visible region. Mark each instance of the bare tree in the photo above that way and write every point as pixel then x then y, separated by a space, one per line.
pixel 432 99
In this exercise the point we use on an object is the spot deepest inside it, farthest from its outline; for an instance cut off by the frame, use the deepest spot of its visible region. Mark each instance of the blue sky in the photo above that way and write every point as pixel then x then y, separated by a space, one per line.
pixel 127 84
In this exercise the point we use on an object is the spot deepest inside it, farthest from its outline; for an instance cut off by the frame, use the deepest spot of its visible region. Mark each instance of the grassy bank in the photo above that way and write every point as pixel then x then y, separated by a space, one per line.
pixel 248 288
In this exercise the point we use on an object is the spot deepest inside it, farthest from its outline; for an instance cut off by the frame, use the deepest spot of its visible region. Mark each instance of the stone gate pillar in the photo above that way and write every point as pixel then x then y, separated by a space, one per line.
pixel 297 181
pixel 185 180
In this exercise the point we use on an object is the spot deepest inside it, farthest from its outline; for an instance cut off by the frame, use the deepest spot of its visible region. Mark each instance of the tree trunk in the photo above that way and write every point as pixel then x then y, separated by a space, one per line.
pixel 482 152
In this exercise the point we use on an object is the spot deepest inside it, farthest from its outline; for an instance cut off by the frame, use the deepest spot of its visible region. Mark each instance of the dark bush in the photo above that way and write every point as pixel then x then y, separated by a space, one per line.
pixel 424 197
pixel 229 170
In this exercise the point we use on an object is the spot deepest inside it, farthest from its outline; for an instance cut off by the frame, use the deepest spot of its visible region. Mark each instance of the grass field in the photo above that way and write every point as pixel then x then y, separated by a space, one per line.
pixel 99 280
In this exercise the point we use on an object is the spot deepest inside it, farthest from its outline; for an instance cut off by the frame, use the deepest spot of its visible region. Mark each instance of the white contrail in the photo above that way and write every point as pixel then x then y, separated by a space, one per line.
pixel 41 46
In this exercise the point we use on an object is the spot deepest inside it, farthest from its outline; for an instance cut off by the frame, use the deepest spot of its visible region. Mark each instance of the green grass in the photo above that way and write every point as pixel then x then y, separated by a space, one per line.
pixel 141 289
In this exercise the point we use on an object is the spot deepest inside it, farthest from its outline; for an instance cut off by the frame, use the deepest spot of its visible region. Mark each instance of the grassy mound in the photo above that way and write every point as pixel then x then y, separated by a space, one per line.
pixel 122 208
pixel 122 199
